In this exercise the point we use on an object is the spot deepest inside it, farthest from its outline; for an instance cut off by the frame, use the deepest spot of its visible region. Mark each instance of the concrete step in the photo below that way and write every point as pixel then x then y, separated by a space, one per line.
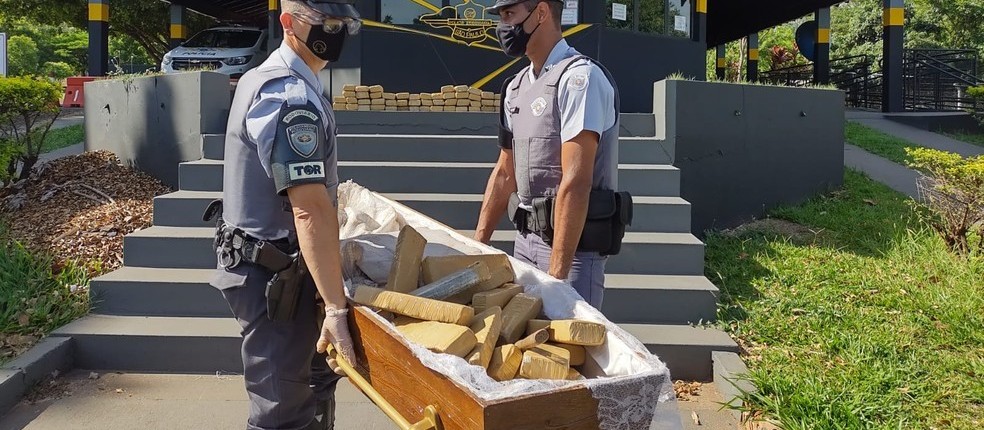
pixel 471 178
pixel 213 146
pixel 201 175
pixel 658 299
pixel 449 148
pixel 183 208
pixel 141 291
pixel 138 291
pixel 659 180
pixel 686 350
pixel 209 345
pixel 460 211
pixel 642 253
pixel 472 148
pixel 349 122
pixel 170 247
pixel 155 344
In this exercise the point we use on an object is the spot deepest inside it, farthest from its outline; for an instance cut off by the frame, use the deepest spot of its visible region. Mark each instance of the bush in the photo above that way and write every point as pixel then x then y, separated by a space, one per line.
pixel 978 94
pixel 57 70
pixel 953 191
pixel 28 108
pixel 23 56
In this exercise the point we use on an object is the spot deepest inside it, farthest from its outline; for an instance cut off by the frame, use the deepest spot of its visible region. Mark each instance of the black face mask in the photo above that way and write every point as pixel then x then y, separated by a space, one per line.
pixel 326 46
pixel 513 38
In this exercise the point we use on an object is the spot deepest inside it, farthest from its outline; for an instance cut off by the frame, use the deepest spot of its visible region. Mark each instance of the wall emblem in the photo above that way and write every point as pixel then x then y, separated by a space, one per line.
pixel 468 22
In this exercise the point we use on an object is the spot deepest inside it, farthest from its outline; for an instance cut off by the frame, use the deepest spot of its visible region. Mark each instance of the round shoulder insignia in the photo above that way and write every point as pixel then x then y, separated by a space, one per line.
pixel 578 82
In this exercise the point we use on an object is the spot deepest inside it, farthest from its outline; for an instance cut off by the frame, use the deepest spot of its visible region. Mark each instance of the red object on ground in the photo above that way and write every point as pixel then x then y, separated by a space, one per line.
pixel 75 91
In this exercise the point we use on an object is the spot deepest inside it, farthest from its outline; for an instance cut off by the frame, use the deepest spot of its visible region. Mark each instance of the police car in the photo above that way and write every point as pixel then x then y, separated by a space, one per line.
pixel 231 50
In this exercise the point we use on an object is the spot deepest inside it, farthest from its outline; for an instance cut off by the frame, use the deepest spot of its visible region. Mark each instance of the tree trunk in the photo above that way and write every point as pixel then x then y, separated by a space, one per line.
pixel 29 162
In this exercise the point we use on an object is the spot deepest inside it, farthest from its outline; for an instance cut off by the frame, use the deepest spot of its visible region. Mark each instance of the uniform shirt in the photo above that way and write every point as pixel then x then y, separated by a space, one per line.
pixel 585 96
pixel 261 119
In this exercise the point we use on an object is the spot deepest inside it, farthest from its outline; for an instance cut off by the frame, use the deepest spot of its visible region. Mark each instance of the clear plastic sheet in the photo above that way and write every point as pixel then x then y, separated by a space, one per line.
pixel 632 386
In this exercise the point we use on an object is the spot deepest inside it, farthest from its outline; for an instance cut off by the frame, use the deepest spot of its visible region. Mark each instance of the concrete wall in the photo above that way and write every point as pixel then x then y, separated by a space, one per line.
pixel 745 149
pixel 154 123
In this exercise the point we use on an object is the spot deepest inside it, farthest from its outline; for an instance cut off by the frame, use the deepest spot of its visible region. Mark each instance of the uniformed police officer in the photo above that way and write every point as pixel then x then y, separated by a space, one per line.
pixel 559 140
pixel 280 197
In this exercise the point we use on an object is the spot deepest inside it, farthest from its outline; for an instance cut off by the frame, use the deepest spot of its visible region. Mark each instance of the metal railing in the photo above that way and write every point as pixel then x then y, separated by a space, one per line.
pixel 937 79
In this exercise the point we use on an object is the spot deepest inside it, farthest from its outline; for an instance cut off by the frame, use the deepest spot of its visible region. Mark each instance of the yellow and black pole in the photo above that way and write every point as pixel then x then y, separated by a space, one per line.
pixel 98 37
pixel 893 96
pixel 274 32
pixel 699 28
pixel 753 57
pixel 722 62
pixel 179 30
pixel 821 66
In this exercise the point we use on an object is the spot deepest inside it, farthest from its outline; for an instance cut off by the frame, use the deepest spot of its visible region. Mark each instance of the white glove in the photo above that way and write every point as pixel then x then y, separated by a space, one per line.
pixel 335 332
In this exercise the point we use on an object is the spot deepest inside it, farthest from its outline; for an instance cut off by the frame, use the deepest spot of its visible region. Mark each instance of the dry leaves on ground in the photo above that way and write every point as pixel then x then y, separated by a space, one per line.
pixel 685 390
pixel 80 207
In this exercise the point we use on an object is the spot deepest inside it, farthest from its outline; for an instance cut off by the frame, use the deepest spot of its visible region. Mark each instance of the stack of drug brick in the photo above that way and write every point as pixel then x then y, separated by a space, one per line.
pixel 468 306
pixel 461 98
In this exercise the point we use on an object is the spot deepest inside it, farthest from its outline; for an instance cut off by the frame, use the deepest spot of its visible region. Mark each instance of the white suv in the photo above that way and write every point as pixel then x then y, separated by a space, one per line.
pixel 228 50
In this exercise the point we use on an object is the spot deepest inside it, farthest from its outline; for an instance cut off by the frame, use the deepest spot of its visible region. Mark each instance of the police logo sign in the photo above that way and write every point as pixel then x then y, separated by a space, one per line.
pixel 303 139
pixel 467 21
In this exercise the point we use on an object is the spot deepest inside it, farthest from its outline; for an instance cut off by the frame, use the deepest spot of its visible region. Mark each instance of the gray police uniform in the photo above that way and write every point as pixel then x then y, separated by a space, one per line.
pixel 281 133
pixel 540 113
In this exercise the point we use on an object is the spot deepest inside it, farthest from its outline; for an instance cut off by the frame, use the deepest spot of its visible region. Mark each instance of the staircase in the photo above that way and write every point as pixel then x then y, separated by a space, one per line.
pixel 158 313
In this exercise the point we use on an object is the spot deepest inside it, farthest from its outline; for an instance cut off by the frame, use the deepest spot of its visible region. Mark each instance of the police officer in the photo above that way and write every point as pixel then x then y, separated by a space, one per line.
pixel 280 197
pixel 558 139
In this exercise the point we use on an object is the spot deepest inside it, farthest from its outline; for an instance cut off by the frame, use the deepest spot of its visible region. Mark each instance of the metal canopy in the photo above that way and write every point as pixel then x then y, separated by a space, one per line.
pixel 727 20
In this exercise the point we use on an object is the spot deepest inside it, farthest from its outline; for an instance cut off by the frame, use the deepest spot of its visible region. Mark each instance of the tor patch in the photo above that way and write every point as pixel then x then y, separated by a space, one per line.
pixel 303 139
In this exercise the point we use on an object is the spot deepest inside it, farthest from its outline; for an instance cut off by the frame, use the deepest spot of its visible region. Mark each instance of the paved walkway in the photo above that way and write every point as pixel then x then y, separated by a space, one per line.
pixel 898 177
pixel 918 136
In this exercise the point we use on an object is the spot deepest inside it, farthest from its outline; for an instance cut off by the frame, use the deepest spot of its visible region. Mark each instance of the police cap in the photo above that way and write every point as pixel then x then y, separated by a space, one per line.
pixel 499 4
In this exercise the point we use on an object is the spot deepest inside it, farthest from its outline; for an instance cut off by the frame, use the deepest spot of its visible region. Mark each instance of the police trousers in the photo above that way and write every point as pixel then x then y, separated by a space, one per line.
pixel 285 377
pixel 587 274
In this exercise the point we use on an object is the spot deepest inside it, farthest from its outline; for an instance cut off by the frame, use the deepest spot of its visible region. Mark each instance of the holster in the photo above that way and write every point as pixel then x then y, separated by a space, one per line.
pixel 283 292
pixel 609 212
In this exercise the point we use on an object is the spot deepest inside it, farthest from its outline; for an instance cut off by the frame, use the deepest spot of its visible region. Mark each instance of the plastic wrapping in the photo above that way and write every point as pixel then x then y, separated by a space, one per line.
pixel 632 386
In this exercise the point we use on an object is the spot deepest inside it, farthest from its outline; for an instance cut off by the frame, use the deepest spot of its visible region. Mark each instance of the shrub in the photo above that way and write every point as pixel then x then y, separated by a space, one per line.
pixel 978 94
pixel 953 191
pixel 24 56
pixel 57 70
pixel 28 108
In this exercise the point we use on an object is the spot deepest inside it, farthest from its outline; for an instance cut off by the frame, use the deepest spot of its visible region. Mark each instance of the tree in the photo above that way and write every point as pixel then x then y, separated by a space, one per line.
pixel 23 56
pixel 145 21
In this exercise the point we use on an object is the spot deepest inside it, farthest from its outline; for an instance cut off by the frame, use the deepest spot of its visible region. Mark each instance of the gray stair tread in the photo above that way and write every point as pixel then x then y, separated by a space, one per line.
pixel 663 282
pixel 111 325
pixel 461 165
pixel 177 232
pixel 438 197
pixel 151 274
pixel 680 335
pixel 458 136
pixel 187 194
pixel 630 237
pixel 205 161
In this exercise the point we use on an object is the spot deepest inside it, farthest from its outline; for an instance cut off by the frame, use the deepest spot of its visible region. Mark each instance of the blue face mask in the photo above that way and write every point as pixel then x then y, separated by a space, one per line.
pixel 513 38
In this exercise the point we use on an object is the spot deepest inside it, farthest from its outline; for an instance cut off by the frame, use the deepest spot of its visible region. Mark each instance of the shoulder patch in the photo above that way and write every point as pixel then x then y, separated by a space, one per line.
pixel 300 112
pixel 578 82
pixel 314 169
pixel 303 139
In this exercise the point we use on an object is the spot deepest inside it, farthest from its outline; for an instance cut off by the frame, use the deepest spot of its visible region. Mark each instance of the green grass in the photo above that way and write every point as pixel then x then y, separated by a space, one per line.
pixel 63 137
pixel 877 143
pixel 972 138
pixel 35 297
pixel 859 320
